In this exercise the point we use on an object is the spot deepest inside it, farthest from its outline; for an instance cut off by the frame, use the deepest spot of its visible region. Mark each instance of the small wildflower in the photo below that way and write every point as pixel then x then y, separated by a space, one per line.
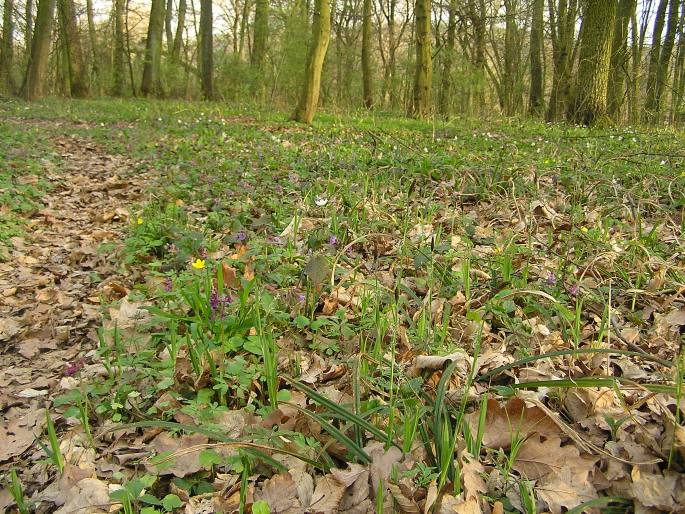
pixel 241 236
pixel 321 200
pixel 663 163
pixel 551 278
pixel 573 290
pixel 168 285
pixel 300 297
pixel 73 367
pixel 139 221
pixel 333 240
pixel 199 264
pixel 214 300
pixel 583 230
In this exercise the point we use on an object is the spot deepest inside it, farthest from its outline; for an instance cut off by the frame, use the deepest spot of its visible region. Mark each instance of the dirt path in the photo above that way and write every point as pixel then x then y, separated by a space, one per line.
pixel 52 285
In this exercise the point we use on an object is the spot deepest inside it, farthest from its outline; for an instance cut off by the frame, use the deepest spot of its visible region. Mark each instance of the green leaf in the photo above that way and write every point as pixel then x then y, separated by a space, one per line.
pixel 209 458
pixel 260 507
pixel 171 502
pixel 284 395
pixel 318 269
pixel 253 345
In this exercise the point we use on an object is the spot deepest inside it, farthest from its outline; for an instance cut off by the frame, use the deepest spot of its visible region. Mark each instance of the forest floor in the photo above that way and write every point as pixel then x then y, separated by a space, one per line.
pixel 205 309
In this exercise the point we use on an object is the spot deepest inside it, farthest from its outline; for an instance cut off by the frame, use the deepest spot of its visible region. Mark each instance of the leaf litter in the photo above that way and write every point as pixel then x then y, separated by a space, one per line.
pixel 578 406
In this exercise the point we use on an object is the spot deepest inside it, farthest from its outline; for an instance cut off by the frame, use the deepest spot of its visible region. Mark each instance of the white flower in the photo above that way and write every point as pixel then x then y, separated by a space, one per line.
pixel 321 200
pixel 663 163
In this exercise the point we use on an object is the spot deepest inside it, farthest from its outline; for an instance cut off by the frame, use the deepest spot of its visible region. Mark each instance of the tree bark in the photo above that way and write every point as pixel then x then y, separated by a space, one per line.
pixel 654 55
pixel 562 23
pixel 151 83
pixel 422 103
pixel 261 33
pixel 119 51
pixel 665 56
pixel 206 49
pixel 367 89
pixel 167 26
pixel 589 104
pixel 7 48
pixel 321 32
pixel 619 58
pixel 92 36
pixel 448 52
pixel 28 35
pixel 180 25
pixel 36 72
pixel 74 51
pixel 536 101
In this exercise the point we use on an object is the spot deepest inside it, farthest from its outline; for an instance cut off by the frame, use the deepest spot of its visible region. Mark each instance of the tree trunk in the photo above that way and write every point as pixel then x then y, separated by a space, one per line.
pixel 151 83
pixel 7 48
pixel 478 16
pixel 562 24
pixel 36 72
pixel 654 56
pixel 28 35
pixel 422 103
pixel 367 90
pixel 206 49
pixel 243 27
pixel 72 46
pixel 678 75
pixel 589 104
pixel 635 58
pixel 321 32
pixel 448 52
pixel 536 101
pixel 261 33
pixel 119 51
pixel 167 26
pixel 178 38
pixel 665 55
pixel 92 36
pixel 511 59
pixel 619 58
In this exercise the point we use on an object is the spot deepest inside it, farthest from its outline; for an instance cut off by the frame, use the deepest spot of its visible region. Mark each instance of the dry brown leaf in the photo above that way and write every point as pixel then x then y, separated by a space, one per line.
pixel 184 456
pixel 654 489
pixel 515 419
pixel 471 471
pixel 20 432
pixel 402 503
pixel 327 495
pixel 88 495
pixel 382 462
pixel 280 492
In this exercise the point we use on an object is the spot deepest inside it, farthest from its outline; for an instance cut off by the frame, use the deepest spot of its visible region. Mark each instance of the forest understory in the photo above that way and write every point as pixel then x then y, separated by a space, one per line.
pixel 209 309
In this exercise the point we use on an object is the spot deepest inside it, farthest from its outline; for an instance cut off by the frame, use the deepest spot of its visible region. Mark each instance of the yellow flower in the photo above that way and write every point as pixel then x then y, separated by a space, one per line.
pixel 583 230
pixel 198 264
pixel 139 221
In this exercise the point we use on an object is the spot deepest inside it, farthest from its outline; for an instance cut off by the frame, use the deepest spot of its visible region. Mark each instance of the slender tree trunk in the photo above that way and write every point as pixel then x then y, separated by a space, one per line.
pixel 128 49
pixel 178 38
pixel 243 27
pixel 635 58
pixel 678 75
pixel 665 55
pixel 654 56
pixel 422 103
pixel 321 33
pixel 72 46
pixel 589 103
pixel 167 26
pixel 151 83
pixel 562 22
pixel 477 15
pixel 35 80
pixel 7 48
pixel 511 59
pixel 92 36
pixel 367 90
pixel 619 58
pixel 206 48
pixel 261 33
pixel 28 35
pixel 448 52
pixel 119 50
pixel 536 102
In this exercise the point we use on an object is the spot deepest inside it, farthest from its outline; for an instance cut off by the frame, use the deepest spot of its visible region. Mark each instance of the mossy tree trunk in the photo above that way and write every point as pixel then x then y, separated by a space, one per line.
pixel 28 32
pixel 536 101
pixel 562 16
pixel 618 70
pixel 367 79
pixel 665 58
pixel 78 82
pixel 589 103
pixel 169 35
pixel 206 49
pixel 92 37
pixel 35 80
pixel 422 103
pixel 321 32
pixel 152 80
pixel 119 69
pixel 261 33
pixel 7 48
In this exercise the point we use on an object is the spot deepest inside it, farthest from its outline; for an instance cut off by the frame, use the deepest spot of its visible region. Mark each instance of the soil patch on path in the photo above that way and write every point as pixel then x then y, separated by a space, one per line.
pixel 52 287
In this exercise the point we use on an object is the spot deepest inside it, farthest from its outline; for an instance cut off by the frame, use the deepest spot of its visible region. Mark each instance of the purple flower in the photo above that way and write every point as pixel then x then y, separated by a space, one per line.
pixel 74 367
pixel 203 253
pixel 300 297
pixel 275 240
pixel 333 240
pixel 168 285
pixel 214 300
pixel 573 290
pixel 241 236
pixel 551 279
